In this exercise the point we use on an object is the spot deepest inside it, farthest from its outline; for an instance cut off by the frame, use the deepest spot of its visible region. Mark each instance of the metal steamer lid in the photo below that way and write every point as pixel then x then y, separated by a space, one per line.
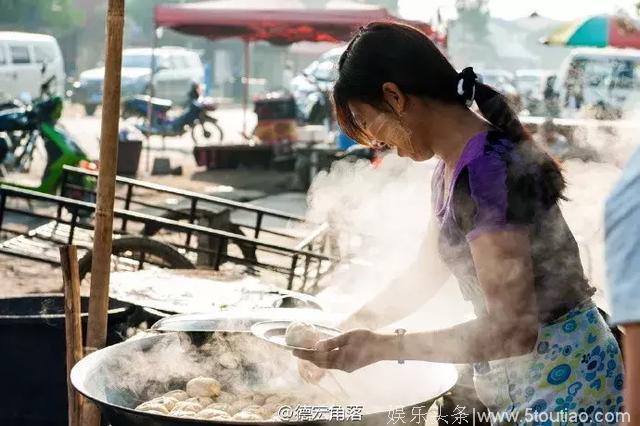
pixel 240 320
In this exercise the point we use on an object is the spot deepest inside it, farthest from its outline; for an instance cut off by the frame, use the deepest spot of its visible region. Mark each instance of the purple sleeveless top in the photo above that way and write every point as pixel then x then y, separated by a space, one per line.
pixel 497 186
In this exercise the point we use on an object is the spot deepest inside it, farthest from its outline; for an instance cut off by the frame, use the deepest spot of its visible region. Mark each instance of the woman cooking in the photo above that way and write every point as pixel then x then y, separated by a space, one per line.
pixel 538 343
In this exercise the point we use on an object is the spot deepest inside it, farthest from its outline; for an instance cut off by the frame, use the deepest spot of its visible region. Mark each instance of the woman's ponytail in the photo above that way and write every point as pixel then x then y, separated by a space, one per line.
pixel 495 107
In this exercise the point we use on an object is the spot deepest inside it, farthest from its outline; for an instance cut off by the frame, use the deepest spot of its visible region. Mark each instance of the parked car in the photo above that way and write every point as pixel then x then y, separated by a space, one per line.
pixel 504 82
pixel 312 87
pixel 28 60
pixel 176 70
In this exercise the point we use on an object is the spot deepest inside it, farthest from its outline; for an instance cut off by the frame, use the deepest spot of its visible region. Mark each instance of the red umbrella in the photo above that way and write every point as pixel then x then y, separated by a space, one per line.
pixel 281 22
pixel 598 31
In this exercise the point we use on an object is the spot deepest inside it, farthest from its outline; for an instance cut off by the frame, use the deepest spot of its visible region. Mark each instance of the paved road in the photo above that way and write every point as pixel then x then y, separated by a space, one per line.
pixel 87 130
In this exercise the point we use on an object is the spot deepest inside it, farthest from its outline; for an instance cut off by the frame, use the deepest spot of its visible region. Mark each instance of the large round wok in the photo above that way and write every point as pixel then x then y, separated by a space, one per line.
pixel 120 377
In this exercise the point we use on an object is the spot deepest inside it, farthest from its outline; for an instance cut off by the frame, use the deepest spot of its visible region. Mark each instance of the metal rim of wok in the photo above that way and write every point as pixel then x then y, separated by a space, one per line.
pixel 87 370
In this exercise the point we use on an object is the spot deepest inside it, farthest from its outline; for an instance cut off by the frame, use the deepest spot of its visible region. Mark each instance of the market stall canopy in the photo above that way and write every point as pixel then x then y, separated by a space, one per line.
pixel 597 31
pixel 279 22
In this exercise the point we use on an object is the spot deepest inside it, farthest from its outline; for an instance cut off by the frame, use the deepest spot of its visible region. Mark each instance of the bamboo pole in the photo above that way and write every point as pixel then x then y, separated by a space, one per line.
pixel 101 266
pixel 152 94
pixel 72 325
pixel 247 76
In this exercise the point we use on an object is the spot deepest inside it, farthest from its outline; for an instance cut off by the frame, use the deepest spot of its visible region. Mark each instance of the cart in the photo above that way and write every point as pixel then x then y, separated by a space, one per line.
pixel 159 226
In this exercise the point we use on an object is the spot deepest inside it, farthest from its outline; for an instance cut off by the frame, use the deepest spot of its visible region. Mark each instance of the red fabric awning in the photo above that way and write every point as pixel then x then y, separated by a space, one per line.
pixel 279 25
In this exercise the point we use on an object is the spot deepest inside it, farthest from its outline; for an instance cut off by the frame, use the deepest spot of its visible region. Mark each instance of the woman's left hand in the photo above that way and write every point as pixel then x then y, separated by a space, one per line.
pixel 348 352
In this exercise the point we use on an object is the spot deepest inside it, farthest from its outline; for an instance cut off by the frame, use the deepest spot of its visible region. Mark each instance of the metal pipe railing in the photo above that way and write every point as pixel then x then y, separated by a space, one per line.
pixel 255 230
pixel 223 236
pixel 190 194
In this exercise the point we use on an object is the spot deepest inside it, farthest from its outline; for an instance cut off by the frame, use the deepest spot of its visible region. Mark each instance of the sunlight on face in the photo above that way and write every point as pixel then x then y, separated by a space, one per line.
pixel 385 128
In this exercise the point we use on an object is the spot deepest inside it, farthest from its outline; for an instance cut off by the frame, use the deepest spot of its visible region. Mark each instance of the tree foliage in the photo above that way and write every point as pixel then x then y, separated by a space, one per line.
pixel 53 16
pixel 473 16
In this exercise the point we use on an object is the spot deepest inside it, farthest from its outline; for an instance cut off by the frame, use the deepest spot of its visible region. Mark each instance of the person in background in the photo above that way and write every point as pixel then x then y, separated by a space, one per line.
pixel 622 238
pixel 538 342
pixel 287 74
pixel 551 97
pixel 574 86
pixel 556 144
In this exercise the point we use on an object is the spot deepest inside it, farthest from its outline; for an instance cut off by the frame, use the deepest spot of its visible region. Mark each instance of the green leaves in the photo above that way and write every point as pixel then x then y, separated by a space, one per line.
pixel 51 16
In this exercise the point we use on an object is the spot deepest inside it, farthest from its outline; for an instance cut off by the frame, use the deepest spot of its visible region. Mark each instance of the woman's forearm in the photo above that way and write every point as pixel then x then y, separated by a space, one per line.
pixel 631 346
pixel 473 341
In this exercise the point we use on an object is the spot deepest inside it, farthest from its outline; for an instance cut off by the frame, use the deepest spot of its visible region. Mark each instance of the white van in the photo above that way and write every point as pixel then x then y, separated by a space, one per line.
pixel 602 79
pixel 23 57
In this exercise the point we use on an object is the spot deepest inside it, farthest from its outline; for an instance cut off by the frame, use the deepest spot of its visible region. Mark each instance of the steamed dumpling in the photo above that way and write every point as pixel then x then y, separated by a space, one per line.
pixel 203 386
pixel 166 401
pixel 180 395
pixel 151 406
pixel 229 360
pixel 258 399
pixel 254 409
pixel 245 416
pixel 274 399
pixel 183 414
pixel 271 409
pixel 210 414
pixel 187 406
pixel 226 397
pixel 238 405
pixel 302 335
pixel 204 401
pixel 221 406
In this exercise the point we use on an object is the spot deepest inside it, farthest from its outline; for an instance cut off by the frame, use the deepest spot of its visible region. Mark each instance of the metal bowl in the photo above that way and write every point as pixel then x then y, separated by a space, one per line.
pixel 112 378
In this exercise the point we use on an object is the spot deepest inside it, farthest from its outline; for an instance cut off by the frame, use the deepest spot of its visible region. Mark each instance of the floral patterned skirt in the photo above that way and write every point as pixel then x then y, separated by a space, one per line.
pixel 574 375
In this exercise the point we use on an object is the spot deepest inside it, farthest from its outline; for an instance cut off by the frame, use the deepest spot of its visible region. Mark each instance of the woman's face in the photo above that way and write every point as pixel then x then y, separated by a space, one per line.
pixel 386 128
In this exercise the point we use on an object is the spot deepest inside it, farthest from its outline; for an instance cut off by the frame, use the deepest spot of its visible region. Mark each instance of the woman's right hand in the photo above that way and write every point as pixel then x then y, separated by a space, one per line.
pixel 310 372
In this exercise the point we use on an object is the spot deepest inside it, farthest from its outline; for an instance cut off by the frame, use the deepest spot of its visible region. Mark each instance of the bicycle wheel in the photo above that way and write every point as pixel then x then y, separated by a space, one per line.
pixel 207 130
pixel 25 157
pixel 133 253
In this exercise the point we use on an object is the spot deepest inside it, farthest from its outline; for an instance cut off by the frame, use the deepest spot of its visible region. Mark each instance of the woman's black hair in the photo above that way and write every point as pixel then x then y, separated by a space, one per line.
pixel 384 52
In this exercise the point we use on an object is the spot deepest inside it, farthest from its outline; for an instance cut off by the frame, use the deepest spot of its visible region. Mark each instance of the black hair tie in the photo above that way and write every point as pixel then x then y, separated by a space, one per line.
pixel 467 80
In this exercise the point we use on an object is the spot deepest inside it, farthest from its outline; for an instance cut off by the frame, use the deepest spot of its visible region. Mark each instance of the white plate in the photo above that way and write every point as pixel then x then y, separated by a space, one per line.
pixel 274 331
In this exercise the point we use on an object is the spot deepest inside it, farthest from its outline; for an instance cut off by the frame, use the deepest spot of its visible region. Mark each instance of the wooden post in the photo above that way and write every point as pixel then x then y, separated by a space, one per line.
pixel 247 76
pixel 101 266
pixel 72 325
pixel 152 94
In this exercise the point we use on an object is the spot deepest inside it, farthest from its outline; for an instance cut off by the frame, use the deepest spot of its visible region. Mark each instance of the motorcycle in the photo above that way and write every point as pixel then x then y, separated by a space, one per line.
pixel 19 140
pixel 194 119
pixel 313 100
pixel 40 120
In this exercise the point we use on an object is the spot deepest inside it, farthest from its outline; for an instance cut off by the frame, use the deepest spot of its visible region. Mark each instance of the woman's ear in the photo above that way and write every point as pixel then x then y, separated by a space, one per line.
pixel 394 97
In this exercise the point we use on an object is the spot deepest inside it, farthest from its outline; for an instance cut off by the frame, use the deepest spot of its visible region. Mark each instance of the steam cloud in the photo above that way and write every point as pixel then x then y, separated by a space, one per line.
pixel 391 206
pixel 146 370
